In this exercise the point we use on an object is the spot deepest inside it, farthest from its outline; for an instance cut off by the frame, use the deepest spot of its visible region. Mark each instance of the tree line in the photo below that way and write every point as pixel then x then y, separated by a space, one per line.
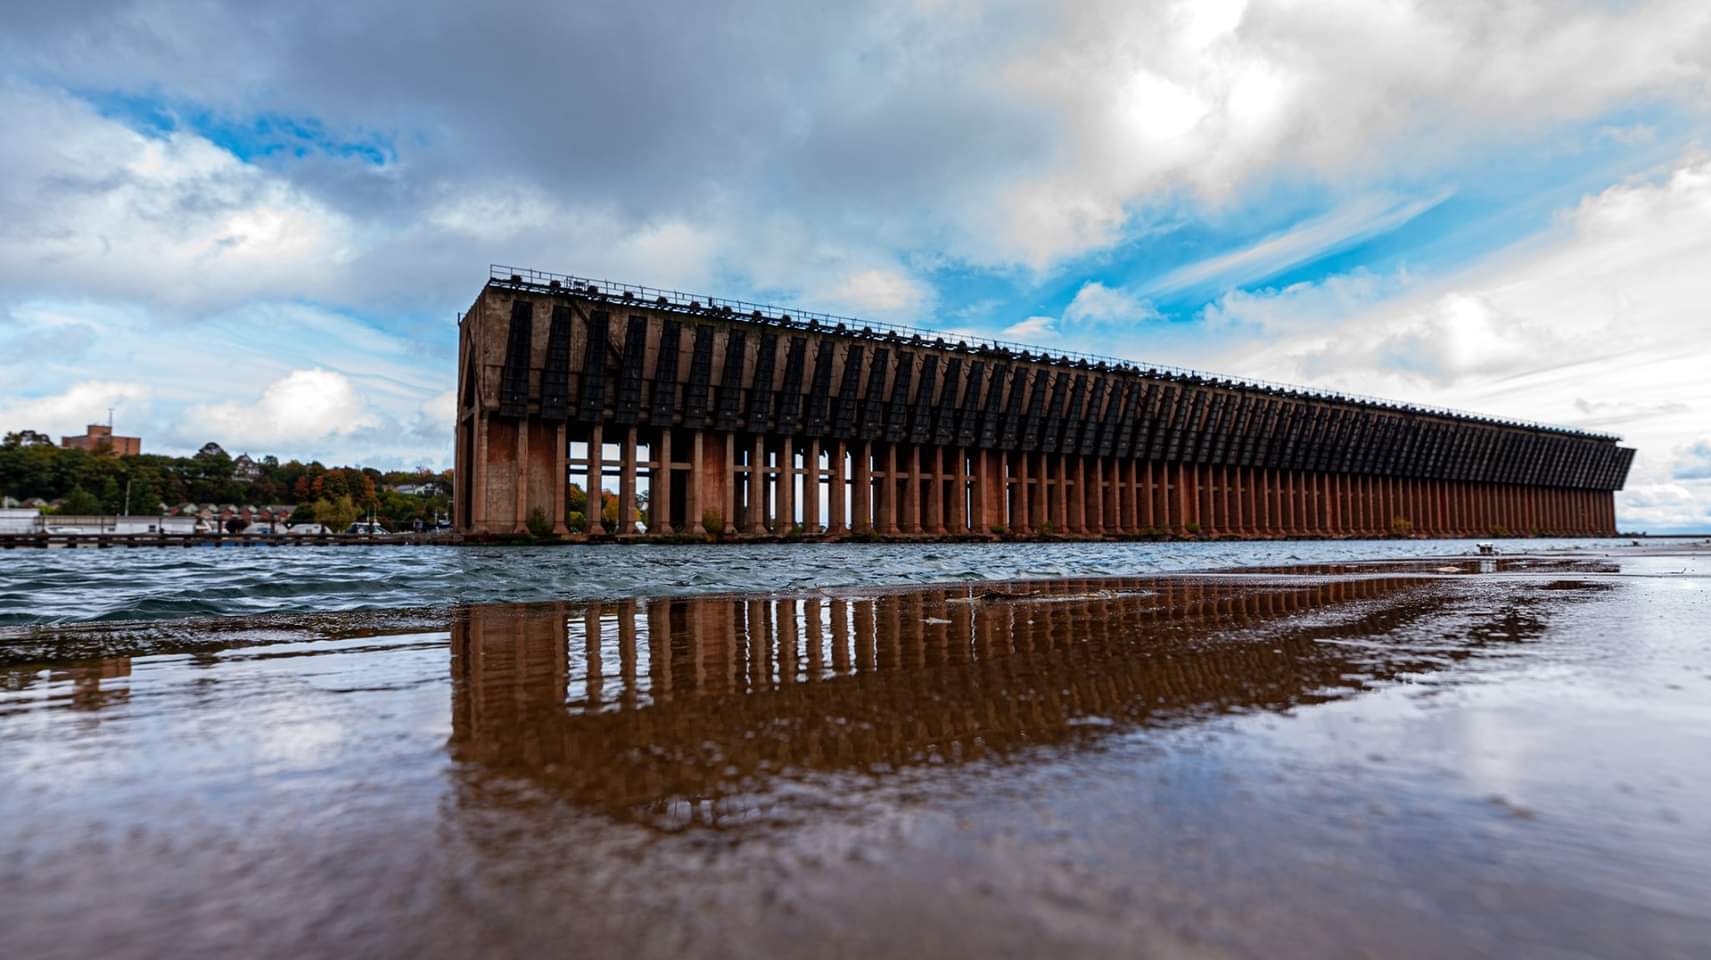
pixel 92 482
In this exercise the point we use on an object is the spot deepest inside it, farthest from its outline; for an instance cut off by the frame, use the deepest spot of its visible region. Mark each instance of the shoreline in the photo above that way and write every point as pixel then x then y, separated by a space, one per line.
pixel 58 644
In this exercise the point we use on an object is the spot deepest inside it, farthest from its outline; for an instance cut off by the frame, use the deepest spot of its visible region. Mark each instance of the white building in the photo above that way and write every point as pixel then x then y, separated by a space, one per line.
pixel 21 520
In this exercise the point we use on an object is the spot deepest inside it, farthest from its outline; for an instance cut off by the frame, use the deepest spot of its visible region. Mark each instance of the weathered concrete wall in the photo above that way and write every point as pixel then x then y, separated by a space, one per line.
pixel 767 426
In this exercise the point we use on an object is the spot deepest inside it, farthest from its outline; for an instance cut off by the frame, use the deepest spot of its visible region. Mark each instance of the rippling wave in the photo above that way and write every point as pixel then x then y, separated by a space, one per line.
pixel 70 586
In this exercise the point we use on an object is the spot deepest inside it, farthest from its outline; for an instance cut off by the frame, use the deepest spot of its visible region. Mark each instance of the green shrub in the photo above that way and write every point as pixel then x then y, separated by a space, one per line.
pixel 539 525
pixel 1402 526
pixel 713 522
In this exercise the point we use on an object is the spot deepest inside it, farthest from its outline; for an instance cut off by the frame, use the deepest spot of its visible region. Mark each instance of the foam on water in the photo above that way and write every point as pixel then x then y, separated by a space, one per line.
pixel 72 586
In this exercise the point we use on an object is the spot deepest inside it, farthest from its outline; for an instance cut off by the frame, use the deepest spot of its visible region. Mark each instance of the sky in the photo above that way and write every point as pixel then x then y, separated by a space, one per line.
pixel 257 225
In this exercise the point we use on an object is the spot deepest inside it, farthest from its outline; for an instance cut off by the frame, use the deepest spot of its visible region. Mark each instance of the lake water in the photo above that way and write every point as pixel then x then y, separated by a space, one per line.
pixel 70 586
pixel 1477 758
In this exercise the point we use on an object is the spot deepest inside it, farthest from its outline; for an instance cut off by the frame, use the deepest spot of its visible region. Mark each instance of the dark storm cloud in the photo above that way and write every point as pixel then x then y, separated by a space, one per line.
pixel 653 111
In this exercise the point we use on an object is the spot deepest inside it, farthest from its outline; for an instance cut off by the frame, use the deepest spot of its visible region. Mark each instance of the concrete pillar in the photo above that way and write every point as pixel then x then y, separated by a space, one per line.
pixel 1178 499
pixel 958 522
pixel 1132 496
pixel 730 483
pixel 1225 510
pixel 627 485
pixel 837 492
pixel 990 479
pixel 861 500
pixel 596 471
pixel 1150 481
pixel 478 496
pixel 659 486
pixel 1114 499
pixel 912 492
pixel 561 469
pixel 1320 516
pixel 1024 495
pixel 1078 504
pixel 521 515
pixel 1042 483
pixel 980 513
pixel 756 521
pixel 697 499
pixel 1263 513
pixel 811 488
pixel 888 492
pixel 936 494
pixel 1058 505
pixel 786 487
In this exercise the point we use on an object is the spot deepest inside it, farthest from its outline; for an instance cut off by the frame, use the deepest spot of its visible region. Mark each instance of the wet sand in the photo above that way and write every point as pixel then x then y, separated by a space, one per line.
pixel 1468 758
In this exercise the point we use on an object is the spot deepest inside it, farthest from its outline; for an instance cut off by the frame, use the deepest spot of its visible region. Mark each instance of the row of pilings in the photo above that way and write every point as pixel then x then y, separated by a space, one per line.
pixel 672 483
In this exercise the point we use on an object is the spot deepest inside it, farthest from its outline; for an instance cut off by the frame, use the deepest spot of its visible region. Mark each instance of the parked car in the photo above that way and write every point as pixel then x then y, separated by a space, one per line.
pixel 366 529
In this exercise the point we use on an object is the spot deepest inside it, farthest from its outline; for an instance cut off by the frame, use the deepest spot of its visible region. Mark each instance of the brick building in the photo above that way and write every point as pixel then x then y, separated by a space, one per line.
pixel 100 436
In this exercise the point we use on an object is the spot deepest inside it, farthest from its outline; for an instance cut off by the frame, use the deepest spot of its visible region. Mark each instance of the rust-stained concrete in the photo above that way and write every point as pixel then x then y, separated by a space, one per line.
pixel 767 425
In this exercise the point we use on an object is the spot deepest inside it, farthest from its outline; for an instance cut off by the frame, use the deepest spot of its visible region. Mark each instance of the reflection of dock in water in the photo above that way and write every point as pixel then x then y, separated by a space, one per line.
pixel 660 709
pixel 86 691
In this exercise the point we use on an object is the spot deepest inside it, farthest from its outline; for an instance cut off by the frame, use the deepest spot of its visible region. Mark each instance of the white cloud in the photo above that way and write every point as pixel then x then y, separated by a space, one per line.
pixel 70 411
pixel 1693 462
pixel 1033 328
pixel 1362 217
pixel 1157 100
pixel 1661 506
pixel 878 291
pixel 304 406
pixel 1301 306
pixel 1596 323
pixel 95 207
pixel 1095 304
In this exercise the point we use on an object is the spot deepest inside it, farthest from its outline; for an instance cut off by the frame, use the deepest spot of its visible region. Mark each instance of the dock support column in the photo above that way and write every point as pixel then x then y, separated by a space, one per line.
pixel 1078 508
pixel 861 501
pixel 1176 498
pixel 477 499
pixel 1114 498
pixel 627 485
pixel 659 487
pixel 811 488
pixel 787 487
pixel 1024 495
pixel 730 484
pixel 1132 497
pixel 561 469
pixel 980 516
pixel 959 491
pixel 1152 498
pixel 912 492
pixel 837 492
pixel 522 512
pixel 936 494
pixel 596 472
pixel 1039 495
pixel 888 493
pixel 992 489
pixel 756 520
pixel 1057 511
pixel 697 499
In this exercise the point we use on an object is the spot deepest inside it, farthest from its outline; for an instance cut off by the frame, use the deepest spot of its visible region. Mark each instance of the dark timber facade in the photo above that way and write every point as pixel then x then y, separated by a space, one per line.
pixel 748 421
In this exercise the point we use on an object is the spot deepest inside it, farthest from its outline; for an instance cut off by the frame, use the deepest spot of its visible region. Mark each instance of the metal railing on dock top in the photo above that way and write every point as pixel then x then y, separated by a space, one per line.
pixel 678 300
